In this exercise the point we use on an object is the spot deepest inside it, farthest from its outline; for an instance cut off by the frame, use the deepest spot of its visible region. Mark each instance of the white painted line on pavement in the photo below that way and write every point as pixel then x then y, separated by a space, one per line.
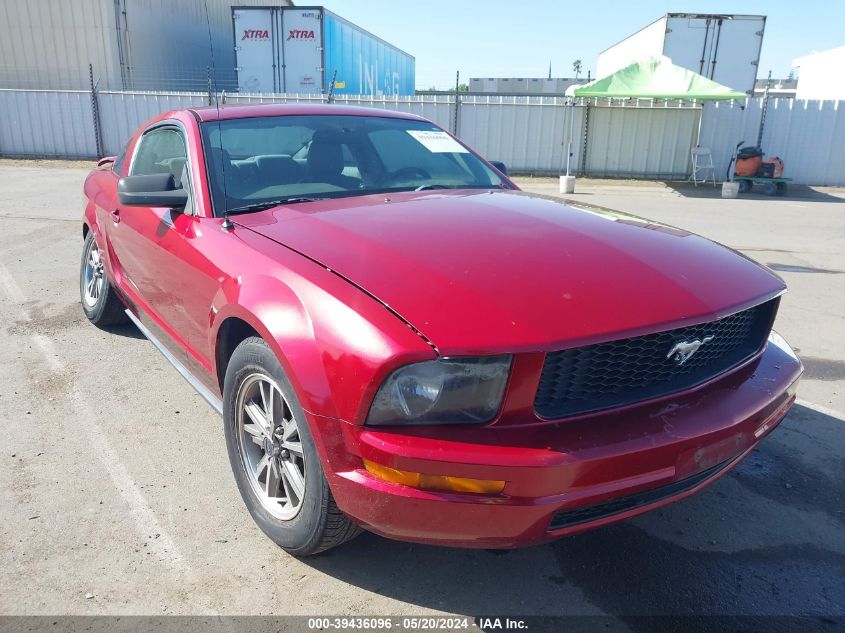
pixel 145 519
pixel 822 409
pixel 142 513
pixel 12 290
pixel 48 351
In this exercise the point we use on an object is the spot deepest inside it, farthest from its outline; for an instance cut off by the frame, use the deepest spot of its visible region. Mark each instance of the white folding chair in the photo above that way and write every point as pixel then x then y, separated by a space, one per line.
pixel 702 166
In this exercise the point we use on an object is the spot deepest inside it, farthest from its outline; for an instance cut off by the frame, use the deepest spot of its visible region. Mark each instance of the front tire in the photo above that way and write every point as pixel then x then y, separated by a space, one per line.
pixel 273 457
pixel 99 300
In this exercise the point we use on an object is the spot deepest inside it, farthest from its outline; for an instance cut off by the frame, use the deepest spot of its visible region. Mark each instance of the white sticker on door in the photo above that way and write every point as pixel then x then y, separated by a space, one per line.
pixel 438 142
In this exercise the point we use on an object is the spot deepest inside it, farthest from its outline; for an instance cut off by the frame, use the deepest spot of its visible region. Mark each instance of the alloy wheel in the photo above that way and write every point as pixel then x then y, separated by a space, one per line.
pixel 93 274
pixel 270 446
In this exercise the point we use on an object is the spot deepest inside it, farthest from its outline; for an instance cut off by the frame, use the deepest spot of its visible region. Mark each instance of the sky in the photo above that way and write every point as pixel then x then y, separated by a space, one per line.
pixel 518 38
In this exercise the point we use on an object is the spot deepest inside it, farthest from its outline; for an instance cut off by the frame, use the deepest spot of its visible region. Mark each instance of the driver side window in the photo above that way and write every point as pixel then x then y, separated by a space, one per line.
pixel 161 151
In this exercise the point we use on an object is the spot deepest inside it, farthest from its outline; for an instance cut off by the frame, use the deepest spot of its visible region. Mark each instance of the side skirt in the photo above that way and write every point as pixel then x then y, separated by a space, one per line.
pixel 209 397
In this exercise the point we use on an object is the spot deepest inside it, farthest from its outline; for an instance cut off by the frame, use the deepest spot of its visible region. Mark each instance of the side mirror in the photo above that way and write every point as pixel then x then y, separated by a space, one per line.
pixel 105 160
pixel 500 166
pixel 154 190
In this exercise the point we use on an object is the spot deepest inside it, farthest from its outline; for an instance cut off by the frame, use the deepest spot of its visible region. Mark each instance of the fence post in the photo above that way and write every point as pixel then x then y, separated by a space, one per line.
pixel 95 112
pixel 457 103
pixel 210 93
pixel 584 140
pixel 330 96
pixel 763 108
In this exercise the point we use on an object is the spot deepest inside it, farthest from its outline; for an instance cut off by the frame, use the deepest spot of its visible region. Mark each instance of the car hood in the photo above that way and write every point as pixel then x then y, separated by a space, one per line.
pixel 486 271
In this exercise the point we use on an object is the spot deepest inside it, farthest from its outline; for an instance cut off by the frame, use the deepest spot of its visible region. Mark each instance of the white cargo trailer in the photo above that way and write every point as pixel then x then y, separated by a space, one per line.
pixel 724 48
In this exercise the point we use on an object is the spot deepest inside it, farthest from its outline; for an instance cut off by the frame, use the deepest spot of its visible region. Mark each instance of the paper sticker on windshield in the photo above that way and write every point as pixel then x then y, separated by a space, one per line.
pixel 438 142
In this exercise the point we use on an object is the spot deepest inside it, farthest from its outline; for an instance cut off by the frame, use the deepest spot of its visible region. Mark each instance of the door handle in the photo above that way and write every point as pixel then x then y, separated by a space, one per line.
pixel 115 216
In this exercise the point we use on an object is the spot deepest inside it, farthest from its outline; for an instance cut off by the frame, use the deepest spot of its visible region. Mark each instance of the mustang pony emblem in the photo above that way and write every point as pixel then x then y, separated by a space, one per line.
pixel 682 351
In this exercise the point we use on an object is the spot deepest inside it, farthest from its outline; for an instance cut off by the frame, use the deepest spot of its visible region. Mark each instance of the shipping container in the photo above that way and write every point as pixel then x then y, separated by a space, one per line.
pixel 300 49
pixel 724 48
pixel 131 44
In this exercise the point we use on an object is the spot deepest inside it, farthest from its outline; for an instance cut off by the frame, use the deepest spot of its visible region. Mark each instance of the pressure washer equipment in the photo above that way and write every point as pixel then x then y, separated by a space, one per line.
pixel 748 161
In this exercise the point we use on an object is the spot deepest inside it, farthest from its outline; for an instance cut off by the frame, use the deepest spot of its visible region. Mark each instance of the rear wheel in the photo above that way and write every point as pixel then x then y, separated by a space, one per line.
pixel 273 457
pixel 770 189
pixel 100 302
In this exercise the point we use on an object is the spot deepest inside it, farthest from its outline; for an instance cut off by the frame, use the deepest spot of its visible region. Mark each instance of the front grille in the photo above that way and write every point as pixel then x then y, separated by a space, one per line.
pixel 568 518
pixel 595 377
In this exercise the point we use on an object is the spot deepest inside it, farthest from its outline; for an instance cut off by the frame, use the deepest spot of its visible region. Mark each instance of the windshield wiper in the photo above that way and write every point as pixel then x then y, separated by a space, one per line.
pixel 269 204
pixel 435 186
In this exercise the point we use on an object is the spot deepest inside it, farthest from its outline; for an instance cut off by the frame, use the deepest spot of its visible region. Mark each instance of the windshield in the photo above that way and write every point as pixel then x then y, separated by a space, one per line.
pixel 285 158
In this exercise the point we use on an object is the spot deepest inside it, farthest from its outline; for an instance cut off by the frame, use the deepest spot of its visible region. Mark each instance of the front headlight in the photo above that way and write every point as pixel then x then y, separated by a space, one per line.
pixel 443 391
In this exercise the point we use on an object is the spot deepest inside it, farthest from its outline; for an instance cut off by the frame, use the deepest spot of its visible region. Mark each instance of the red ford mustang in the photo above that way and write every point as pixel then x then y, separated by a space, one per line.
pixel 400 340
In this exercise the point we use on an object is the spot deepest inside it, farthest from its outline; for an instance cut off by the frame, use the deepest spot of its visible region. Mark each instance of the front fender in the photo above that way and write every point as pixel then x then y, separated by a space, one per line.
pixel 275 312
pixel 335 343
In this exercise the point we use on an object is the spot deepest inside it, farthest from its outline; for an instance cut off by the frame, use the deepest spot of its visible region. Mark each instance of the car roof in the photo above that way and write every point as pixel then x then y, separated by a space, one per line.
pixel 212 113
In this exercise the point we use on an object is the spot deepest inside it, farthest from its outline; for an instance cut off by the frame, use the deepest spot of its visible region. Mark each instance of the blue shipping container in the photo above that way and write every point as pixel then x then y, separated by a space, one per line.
pixel 365 64
pixel 300 49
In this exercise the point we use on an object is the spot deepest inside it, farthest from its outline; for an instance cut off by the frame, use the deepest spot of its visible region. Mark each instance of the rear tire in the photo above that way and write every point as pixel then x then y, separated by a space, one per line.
pixel 273 456
pixel 745 186
pixel 100 302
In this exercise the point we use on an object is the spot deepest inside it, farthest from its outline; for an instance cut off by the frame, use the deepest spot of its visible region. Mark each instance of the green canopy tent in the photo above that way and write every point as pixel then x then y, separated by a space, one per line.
pixel 651 78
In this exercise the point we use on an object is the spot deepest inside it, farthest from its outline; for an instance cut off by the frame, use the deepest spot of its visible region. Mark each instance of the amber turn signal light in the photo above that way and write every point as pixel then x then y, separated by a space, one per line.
pixel 434 482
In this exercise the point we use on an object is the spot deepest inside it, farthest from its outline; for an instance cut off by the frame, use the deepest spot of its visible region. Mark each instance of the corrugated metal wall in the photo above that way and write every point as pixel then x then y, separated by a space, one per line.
pixel 50 44
pixel 640 142
pixel 528 134
pixel 525 133
pixel 121 113
pixel 437 108
pixel 169 42
pixel 164 44
pixel 46 123
pixel 808 135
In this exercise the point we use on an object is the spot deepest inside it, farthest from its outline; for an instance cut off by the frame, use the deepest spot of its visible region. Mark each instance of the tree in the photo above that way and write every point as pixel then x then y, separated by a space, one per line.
pixel 463 88
pixel 576 67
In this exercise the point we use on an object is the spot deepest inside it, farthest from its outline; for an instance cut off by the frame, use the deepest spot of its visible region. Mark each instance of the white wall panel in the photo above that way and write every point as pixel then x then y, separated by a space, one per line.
pixel 640 142
pixel 46 123
pixel 809 136
pixel 528 134
pixel 121 113
pixel 437 108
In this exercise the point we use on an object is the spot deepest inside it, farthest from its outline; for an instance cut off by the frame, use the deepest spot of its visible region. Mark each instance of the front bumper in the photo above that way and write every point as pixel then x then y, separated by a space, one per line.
pixel 563 477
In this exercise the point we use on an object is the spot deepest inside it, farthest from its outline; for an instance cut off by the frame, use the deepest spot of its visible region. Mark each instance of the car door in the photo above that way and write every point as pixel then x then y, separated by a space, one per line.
pixel 150 246
pixel 139 235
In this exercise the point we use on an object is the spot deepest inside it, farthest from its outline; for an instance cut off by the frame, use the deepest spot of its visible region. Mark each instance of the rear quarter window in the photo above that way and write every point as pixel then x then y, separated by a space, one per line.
pixel 117 167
